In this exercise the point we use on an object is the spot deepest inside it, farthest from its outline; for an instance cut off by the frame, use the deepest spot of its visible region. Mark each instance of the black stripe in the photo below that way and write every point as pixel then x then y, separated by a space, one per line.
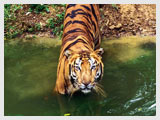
pixel 64 69
pixel 68 14
pixel 91 35
pixel 87 16
pixel 96 41
pixel 67 24
pixel 77 21
pixel 84 13
pixel 93 11
pixel 69 69
pixel 73 13
pixel 86 7
pixel 65 87
pixel 99 78
pixel 97 47
pixel 78 13
pixel 78 30
pixel 101 71
pixel 69 39
pixel 59 66
pixel 75 42
pixel 70 5
pixel 101 67
pixel 93 23
pixel 87 20
pixel 72 81
pixel 86 46
pixel 73 31
pixel 82 23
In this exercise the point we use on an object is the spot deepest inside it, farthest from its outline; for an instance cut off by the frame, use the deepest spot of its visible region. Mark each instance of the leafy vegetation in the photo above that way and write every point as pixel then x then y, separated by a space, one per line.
pixel 37 8
pixel 115 6
pixel 21 18
pixel 9 18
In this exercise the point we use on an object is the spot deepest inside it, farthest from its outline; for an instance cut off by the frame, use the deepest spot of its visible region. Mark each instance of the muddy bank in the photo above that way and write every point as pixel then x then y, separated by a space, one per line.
pixel 128 19
pixel 116 20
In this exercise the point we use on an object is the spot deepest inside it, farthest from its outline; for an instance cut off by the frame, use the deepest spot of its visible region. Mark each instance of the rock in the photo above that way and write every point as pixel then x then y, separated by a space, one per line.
pixel 28 13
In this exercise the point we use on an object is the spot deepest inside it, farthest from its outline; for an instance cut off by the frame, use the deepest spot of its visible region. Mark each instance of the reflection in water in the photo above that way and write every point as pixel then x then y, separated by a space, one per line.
pixel 129 79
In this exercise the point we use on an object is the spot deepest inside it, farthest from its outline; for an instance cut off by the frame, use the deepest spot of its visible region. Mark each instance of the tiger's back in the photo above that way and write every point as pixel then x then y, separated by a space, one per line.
pixel 80 42
pixel 81 20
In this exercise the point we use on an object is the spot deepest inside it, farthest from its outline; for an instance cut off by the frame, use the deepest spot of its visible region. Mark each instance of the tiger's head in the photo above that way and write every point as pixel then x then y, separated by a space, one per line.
pixel 85 70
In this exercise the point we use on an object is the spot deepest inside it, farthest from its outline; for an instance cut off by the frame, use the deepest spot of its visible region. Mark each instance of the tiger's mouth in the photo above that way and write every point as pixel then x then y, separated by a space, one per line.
pixel 86 88
pixel 85 91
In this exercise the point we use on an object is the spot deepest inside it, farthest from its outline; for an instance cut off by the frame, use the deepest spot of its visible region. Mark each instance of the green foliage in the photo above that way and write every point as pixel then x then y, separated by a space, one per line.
pixel 37 8
pixel 115 6
pixel 10 16
pixel 60 21
pixel 58 31
pixel 9 11
pixel 58 5
pixel 60 17
pixel 14 27
pixel 31 29
pixel 56 24
pixel 38 26
pixel 50 23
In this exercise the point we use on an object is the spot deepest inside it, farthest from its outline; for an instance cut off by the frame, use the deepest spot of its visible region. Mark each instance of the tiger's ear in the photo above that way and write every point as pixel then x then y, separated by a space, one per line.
pixel 68 53
pixel 100 51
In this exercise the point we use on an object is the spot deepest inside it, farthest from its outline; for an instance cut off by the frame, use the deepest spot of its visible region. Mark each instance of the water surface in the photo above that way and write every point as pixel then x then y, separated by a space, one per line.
pixel 129 79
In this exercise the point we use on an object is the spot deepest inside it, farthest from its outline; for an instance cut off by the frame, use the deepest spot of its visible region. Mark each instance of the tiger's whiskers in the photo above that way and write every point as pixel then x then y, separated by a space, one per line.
pixel 99 90
pixel 72 93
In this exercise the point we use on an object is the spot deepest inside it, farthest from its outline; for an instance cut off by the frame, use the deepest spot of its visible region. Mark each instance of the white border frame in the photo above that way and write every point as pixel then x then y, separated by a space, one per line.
pixel 2 117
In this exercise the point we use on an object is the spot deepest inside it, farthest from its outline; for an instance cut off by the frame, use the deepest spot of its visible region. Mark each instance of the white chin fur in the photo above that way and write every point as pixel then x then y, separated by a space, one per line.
pixel 85 91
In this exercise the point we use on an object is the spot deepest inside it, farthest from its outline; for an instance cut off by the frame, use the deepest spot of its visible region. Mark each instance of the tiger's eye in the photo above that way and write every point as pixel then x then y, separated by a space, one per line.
pixel 77 67
pixel 93 67
pixel 98 74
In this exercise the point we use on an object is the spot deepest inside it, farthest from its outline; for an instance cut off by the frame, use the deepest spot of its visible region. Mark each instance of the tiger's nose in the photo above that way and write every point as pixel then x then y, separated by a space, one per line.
pixel 86 85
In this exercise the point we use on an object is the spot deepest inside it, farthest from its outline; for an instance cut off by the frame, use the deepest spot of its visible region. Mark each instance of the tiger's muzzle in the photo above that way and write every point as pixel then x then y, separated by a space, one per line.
pixel 86 88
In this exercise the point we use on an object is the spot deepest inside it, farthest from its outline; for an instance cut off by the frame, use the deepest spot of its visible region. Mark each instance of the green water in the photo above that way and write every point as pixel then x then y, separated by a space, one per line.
pixel 129 81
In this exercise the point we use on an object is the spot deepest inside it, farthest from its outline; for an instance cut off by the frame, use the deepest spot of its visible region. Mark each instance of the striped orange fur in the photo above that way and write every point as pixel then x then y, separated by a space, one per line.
pixel 80 66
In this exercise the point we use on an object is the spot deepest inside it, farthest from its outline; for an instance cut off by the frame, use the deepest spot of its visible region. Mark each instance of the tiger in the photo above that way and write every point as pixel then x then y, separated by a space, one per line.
pixel 80 66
